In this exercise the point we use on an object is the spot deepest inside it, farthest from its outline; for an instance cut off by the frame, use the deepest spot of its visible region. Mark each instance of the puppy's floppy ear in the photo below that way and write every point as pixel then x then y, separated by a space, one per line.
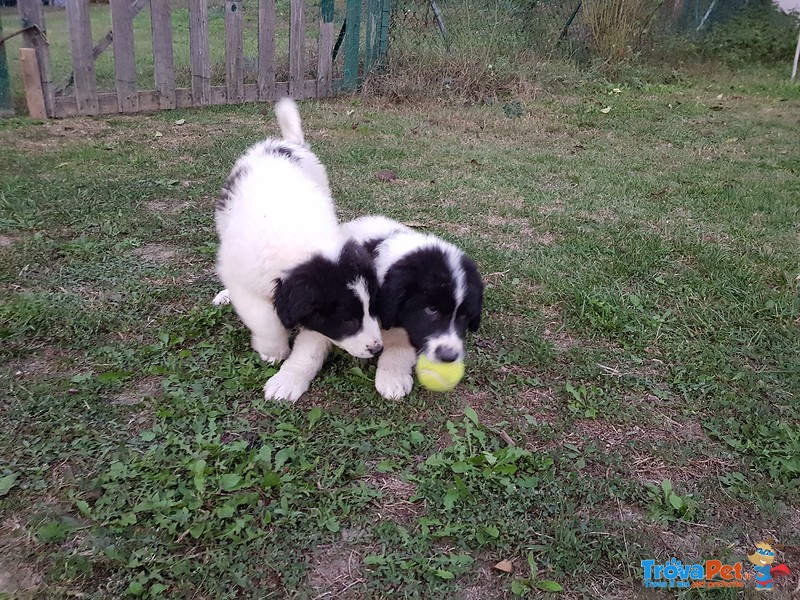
pixel 298 294
pixel 391 296
pixel 473 299
pixel 354 257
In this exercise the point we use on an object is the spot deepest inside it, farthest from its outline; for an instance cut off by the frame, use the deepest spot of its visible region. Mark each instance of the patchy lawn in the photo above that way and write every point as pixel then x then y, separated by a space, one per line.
pixel 640 332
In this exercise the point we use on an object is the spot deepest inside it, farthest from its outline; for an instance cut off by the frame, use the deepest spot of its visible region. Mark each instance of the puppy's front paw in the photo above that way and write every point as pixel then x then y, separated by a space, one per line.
pixel 269 352
pixel 274 358
pixel 285 385
pixel 223 298
pixel 392 384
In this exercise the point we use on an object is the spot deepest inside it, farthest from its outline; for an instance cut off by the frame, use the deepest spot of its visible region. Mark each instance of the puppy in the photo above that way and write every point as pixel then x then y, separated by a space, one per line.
pixel 430 295
pixel 286 263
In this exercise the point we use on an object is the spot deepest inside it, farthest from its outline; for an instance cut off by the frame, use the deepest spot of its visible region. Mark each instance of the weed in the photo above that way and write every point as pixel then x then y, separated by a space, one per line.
pixel 522 587
pixel 666 505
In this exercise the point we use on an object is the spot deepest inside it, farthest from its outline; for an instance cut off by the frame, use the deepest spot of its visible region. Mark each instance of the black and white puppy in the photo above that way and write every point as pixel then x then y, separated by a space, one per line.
pixel 286 262
pixel 430 295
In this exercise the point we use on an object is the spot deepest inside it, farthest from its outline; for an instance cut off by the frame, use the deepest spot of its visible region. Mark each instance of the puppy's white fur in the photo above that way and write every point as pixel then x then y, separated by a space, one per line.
pixel 278 213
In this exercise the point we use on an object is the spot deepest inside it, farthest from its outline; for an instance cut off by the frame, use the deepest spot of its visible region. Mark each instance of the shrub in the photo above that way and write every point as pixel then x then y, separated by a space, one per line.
pixel 617 26
pixel 758 34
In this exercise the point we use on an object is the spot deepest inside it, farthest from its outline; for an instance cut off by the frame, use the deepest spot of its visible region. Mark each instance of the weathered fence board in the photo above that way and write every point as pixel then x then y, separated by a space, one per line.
pixel 33 86
pixel 325 60
pixel 234 51
pixel 124 55
pixel 198 47
pixel 163 60
pixel 80 32
pixel 297 38
pixel 266 49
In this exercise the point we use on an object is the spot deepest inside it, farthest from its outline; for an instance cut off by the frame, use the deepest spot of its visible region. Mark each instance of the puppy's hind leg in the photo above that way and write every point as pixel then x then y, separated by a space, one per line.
pixel 393 378
pixel 295 375
pixel 268 335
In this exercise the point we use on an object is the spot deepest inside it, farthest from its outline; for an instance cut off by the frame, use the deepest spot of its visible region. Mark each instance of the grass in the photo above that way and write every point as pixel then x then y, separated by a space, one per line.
pixel 639 348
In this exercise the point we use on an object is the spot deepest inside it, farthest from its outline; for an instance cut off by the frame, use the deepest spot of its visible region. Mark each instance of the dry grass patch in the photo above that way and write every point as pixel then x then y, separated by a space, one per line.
pixel 18 576
pixel 139 391
pixel 396 504
pixel 160 254
pixel 337 572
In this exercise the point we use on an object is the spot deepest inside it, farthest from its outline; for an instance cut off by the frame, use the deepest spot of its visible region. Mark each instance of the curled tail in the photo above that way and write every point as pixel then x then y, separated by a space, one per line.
pixel 289 121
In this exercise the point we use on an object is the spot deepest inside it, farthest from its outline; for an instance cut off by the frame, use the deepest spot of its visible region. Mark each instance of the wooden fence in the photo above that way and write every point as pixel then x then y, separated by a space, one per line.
pixel 51 100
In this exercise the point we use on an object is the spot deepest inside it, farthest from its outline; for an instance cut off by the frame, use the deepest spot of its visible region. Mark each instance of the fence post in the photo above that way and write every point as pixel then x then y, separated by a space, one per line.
pixel 30 13
pixel 6 105
pixel 234 74
pixel 325 59
pixel 80 34
pixel 163 59
pixel 297 39
pixel 266 49
pixel 351 45
pixel 124 55
pixel 198 49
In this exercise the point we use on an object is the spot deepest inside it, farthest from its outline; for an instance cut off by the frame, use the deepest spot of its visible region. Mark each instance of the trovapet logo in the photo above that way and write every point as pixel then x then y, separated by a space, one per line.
pixel 709 574
pixel 715 574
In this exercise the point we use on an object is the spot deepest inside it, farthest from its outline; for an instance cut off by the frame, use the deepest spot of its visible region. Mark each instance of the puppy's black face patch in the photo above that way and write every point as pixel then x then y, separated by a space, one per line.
pixel 422 294
pixel 329 297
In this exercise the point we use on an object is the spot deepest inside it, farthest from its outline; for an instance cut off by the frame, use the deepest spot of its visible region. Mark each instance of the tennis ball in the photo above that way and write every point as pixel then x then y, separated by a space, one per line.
pixel 439 376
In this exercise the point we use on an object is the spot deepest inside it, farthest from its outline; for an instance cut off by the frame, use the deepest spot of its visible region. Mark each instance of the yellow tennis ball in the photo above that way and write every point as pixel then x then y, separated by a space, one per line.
pixel 439 376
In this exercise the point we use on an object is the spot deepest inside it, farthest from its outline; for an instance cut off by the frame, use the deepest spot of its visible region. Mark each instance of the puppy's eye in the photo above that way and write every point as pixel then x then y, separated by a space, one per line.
pixel 431 312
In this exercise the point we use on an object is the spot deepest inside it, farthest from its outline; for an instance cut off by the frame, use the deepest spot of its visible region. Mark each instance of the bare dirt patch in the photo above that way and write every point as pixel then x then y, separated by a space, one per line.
pixel 47 363
pixel 167 206
pixel 485 584
pixel 396 504
pixel 53 134
pixel 336 572
pixel 139 391
pixel 18 576
pixel 6 240
pixel 156 253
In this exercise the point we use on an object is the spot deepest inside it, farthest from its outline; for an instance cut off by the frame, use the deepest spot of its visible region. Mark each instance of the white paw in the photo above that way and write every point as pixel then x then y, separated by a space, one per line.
pixel 274 358
pixel 270 353
pixel 393 384
pixel 285 385
pixel 221 299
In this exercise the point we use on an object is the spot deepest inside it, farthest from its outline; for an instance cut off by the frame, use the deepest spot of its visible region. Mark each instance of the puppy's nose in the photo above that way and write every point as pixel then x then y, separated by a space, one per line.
pixel 446 354
pixel 375 349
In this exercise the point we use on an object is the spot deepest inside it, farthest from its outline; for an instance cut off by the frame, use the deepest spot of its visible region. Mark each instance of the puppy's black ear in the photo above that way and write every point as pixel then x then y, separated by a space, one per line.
pixel 355 258
pixel 298 294
pixel 391 295
pixel 473 300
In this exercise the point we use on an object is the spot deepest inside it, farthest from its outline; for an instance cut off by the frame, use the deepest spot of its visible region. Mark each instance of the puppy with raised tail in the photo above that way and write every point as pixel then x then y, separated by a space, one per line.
pixel 286 262
pixel 430 295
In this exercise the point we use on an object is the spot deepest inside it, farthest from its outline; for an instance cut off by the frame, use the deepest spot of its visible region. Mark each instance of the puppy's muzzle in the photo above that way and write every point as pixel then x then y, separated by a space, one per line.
pixel 446 354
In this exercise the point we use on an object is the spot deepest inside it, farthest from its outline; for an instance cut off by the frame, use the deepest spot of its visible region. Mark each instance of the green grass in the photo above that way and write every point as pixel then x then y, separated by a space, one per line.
pixel 639 347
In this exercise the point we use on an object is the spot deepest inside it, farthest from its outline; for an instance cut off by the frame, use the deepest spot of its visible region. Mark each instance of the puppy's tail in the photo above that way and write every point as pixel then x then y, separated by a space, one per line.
pixel 289 121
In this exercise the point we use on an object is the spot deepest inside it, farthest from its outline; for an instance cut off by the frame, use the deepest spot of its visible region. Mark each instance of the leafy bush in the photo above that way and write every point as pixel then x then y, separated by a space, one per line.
pixel 760 34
